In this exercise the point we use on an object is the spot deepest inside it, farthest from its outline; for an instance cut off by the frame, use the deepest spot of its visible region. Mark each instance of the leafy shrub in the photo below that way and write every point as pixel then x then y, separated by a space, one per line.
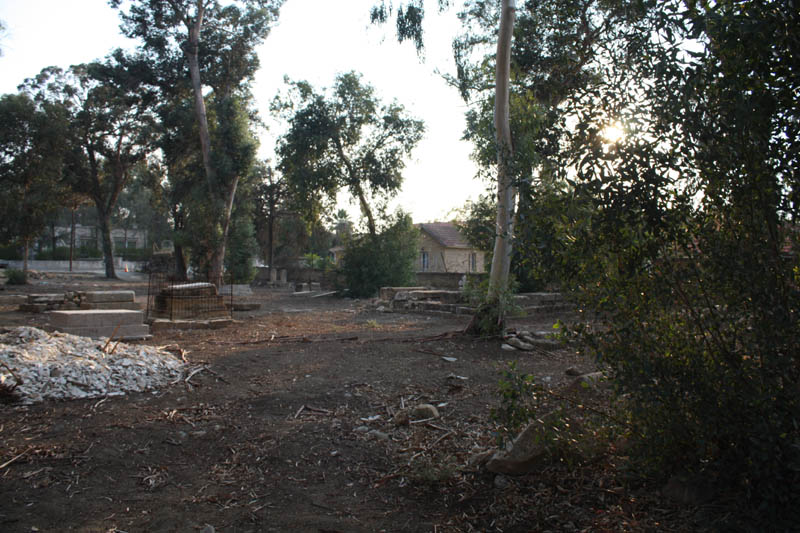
pixel 134 254
pixel 242 248
pixel 16 277
pixel 10 253
pixel 386 259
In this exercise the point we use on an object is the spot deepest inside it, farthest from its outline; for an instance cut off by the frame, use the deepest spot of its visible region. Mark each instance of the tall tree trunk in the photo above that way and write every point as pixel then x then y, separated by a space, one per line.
pixel 104 218
pixel 26 248
pixel 71 239
pixel 192 52
pixel 218 259
pixel 506 192
pixel 271 236
pixel 180 263
pixel 365 209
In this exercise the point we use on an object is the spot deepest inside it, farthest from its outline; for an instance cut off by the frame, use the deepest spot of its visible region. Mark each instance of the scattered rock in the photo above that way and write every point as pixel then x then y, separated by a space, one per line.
pixel 361 429
pixel 424 411
pixel 378 435
pixel 529 449
pixel 592 380
pixel 507 347
pixel 519 344
pixel 401 418
pixel 479 459
pixel 501 482
pixel 572 371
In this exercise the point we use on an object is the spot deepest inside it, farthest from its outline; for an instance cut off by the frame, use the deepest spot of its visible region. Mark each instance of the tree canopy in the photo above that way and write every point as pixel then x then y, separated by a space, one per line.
pixel 192 45
pixel 32 148
pixel 344 138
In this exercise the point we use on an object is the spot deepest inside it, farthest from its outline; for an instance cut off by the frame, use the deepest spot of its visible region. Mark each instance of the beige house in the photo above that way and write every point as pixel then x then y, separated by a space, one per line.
pixel 444 249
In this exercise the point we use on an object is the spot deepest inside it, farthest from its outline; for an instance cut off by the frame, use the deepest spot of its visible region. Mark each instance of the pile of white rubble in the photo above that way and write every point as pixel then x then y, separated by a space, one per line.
pixel 41 365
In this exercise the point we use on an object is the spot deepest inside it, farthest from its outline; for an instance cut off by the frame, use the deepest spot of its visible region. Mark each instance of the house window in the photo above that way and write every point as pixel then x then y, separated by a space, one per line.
pixel 425 261
pixel 473 262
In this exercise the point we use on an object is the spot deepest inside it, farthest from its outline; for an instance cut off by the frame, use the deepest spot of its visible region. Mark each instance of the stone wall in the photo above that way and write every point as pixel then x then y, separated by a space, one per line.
pixel 445 280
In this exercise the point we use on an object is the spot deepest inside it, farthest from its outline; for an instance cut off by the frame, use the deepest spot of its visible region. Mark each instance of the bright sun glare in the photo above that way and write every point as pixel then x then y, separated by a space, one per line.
pixel 613 133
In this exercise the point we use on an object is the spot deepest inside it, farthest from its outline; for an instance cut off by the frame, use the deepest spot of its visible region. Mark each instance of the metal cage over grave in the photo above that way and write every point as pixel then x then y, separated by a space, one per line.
pixel 184 300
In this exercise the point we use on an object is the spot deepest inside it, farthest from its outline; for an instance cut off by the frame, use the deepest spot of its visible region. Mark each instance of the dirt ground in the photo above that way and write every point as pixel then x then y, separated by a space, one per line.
pixel 272 433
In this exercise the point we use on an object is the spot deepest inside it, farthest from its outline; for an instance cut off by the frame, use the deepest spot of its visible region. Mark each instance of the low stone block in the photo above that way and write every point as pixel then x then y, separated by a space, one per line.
pixel 95 317
pixel 33 308
pixel 112 305
pixel 236 290
pixel 13 299
pixel 107 296
pixel 45 298
pixel 388 293
pixel 129 331
pixel 160 324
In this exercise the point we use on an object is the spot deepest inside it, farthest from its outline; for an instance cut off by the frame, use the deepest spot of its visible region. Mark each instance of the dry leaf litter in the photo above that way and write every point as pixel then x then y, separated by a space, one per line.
pixel 38 365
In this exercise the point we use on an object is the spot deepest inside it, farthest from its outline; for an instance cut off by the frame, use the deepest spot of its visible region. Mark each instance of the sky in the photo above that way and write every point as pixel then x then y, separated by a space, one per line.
pixel 313 40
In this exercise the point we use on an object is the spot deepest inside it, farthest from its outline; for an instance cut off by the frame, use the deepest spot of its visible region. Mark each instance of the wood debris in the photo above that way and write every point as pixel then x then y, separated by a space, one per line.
pixel 60 366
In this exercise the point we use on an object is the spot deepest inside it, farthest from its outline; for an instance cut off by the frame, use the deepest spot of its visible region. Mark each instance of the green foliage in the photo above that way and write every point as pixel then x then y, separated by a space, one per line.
pixel 682 244
pixel 476 220
pixel 61 253
pixel 490 313
pixel 16 277
pixel 521 400
pixel 10 253
pixel 386 259
pixel 32 148
pixel 242 249
pixel 345 139
pixel 315 261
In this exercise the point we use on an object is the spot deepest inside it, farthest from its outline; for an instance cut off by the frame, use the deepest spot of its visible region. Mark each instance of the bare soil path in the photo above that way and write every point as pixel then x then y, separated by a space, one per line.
pixel 286 426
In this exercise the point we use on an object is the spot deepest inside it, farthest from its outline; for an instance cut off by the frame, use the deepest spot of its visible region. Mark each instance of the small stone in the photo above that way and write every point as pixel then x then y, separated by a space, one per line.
pixel 378 435
pixel 501 482
pixel 424 411
pixel 519 344
pixel 401 418
pixel 361 429
pixel 209 529
pixel 572 371
pixel 507 347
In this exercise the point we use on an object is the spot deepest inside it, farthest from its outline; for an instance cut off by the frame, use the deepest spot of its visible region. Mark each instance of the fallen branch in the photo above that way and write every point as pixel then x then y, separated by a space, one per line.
pixel 105 347
pixel 192 373
pixel 2 466
pixel 19 380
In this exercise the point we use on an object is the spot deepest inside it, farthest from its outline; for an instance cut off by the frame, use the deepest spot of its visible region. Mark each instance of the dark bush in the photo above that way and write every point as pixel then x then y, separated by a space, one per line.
pixel 16 277
pixel 386 259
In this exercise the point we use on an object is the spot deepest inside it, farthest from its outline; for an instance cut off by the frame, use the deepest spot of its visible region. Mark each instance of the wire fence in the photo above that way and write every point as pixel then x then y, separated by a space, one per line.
pixel 168 298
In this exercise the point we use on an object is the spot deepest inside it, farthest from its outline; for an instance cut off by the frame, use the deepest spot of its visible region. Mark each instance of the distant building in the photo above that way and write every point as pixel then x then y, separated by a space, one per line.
pixel 89 237
pixel 443 248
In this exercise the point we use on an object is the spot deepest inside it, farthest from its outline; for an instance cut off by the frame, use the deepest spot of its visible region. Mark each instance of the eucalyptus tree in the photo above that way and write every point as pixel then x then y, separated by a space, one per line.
pixel 205 44
pixel 270 196
pixel 111 130
pixel 345 138
pixel 409 19
pixel 32 147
